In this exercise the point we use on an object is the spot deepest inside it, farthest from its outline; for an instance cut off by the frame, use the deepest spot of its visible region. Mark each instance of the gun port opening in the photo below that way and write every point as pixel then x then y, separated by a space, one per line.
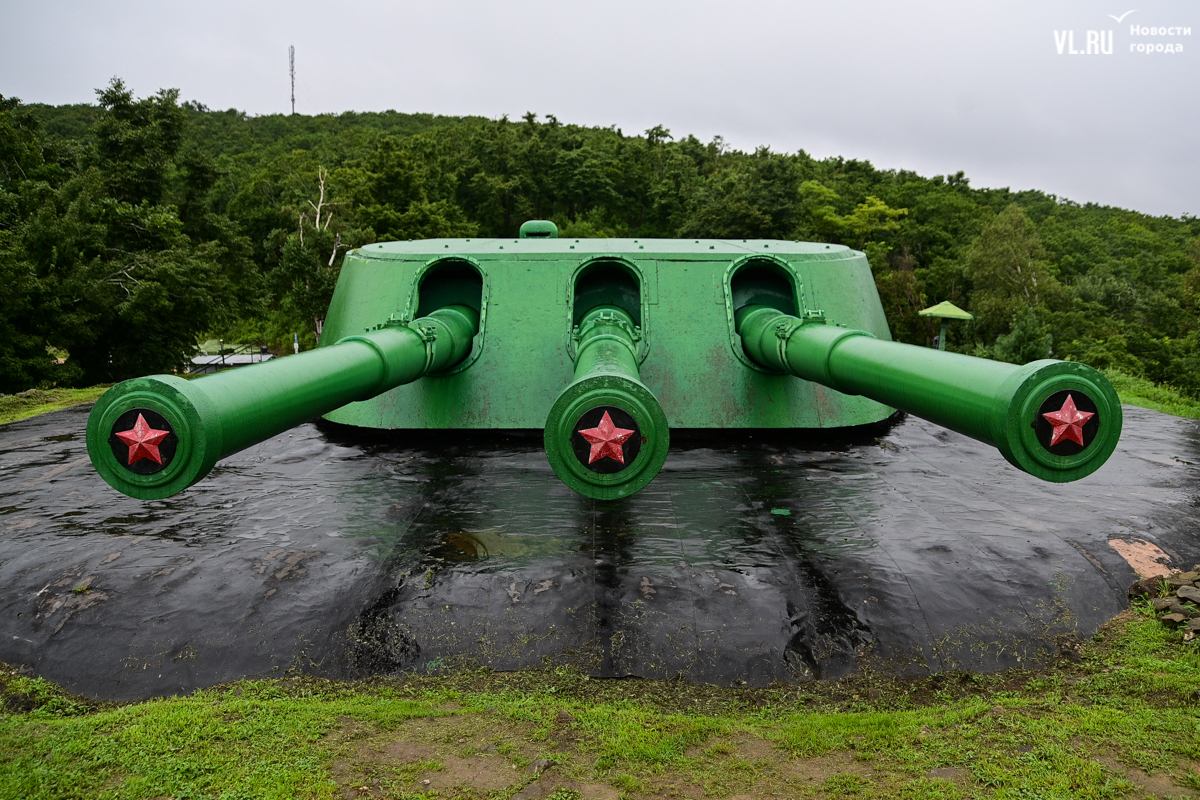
pixel 450 283
pixel 607 284
pixel 763 283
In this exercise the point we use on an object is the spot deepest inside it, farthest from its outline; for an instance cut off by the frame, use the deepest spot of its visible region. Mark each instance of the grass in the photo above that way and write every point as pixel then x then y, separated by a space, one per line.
pixel 1141 392
pixel 1122 721
pixel 30 403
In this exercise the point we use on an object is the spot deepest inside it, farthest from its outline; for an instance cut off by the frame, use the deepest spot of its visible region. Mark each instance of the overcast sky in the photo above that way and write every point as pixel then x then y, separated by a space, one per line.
pixel 934 87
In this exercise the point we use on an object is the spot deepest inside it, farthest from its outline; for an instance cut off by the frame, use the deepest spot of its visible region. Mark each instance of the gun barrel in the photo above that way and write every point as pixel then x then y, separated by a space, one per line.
pixel 153 437
pixel 1057 420
pixel 606 434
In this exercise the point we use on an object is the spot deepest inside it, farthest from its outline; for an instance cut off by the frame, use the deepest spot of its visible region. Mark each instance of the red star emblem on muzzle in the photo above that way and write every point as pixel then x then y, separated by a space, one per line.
pixel 1068 422
pixel 606 440
pixel 143 441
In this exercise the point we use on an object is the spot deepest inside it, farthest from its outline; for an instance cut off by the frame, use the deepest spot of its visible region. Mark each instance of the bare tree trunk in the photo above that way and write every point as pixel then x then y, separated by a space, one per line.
pixel 320 206
pixel 337 242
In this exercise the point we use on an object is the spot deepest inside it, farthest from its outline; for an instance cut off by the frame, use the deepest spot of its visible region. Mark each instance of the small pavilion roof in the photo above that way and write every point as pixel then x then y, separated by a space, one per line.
pixel 946 309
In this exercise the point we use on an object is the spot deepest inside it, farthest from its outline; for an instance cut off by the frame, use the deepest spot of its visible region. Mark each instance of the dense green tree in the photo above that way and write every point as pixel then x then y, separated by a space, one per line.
pixel 24 359
pixel 137 141
pixel 392 198
pixel 1009 272
pixel 754 197
pixel 1028 340
pixel 102 267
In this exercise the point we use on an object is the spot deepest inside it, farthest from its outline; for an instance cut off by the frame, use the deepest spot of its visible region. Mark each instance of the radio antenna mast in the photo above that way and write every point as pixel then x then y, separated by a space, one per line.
pixel 292 72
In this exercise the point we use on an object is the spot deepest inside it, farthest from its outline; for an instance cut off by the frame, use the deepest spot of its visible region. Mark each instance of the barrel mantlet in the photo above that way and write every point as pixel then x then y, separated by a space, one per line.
pixel 691 355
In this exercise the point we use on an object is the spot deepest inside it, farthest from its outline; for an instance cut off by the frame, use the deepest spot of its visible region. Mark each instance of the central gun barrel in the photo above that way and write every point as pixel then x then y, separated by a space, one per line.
pixel 606 435
pixel 1057 420
pixel 153 437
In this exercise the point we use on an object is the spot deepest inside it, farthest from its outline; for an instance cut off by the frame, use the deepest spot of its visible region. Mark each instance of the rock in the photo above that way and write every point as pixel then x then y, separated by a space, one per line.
pixel 1172 619
pixel 564 718
pixel 1163 603
pixel 1146 587
pixel 1188 593
pixel 540 765
pixel 1182 579
pixel 1187 611
pixel 1193 624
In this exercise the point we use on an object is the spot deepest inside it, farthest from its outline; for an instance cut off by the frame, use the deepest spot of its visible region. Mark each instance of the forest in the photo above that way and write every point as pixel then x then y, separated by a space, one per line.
pixel 136 227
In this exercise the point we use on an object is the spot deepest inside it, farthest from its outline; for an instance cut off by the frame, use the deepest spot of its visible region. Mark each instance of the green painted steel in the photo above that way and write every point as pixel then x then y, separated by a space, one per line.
pixel 690 354
pixel 517 318
pixel 606 375
pixel 538 229
pixel 217 415
pixel 991 401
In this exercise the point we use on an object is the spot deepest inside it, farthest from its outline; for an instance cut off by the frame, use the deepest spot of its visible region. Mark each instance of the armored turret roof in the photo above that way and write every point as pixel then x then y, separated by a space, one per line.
pixel 633 248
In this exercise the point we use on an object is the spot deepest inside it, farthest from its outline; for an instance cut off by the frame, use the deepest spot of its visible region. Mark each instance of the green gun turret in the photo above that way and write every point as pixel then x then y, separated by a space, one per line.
pixel 604 345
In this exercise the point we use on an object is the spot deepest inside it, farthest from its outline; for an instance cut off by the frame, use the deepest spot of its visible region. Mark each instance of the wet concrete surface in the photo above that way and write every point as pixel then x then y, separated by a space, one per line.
pixel 754 557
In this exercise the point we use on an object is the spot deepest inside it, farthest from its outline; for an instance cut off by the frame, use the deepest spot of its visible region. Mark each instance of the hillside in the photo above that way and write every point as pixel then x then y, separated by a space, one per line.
pixel 131 228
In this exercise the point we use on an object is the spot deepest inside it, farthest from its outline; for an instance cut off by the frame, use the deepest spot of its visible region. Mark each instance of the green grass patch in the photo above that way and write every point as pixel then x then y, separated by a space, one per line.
pixel 27 404
pixel 252 740
pixel 1124 722
pixel 1141 392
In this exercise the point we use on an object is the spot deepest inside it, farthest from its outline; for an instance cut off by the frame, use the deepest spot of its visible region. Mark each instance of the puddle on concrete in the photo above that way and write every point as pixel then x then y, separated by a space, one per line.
pixel 345 553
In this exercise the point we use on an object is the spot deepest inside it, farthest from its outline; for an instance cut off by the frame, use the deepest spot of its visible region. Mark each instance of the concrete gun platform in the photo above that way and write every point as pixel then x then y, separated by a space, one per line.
pixel 756 557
